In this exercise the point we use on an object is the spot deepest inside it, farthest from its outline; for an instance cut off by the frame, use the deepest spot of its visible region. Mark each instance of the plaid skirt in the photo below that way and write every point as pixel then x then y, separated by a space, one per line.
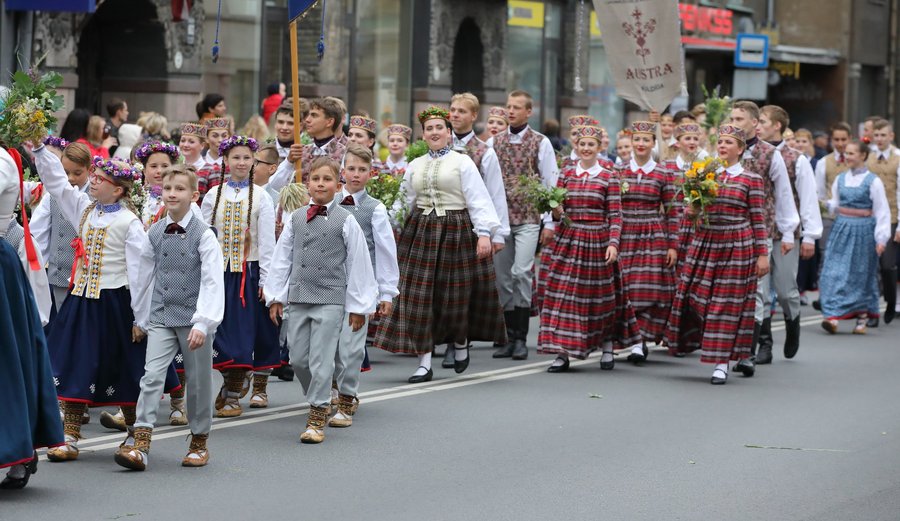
pixel 446 293
pixel 716 296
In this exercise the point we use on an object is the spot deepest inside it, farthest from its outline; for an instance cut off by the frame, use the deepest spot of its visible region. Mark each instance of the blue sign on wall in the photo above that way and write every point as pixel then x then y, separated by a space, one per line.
pixel 297 8
pixel 752 51
pixel 70 6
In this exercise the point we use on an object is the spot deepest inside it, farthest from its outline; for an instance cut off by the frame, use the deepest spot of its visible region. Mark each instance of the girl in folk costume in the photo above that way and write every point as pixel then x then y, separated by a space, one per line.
pixel 715 301
pixel 585 307
pixel 575 123
pixel 862 228
pixel 448 291
pixel 648 245
pixel 363 130
pixel 212 172
pixel 399 137
pixel 497 122
pixel 687 136
pixel 29 408
pixel 156 157
pixel 96 350
pixel 244 219
pixel 193 138
pixel 623 147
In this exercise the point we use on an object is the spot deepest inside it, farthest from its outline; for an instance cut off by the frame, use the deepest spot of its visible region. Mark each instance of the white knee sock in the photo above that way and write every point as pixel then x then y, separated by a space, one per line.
pixel 16 472
pixel 637 349
pixel 460 352
pixel 424 364
pixel 723 368
pixel 560 360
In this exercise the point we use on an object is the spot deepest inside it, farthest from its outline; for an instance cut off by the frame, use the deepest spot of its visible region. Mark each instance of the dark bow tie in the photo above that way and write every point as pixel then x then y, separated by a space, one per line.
pixel 314 210
pixel 173 228
pixel 348 201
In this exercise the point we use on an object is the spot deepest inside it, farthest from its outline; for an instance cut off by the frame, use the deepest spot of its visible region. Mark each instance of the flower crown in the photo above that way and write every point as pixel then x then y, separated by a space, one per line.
pixel 733 131
pixel 433 112
pixel 643 127
pixel 153 147
pixel 237 141
pixel 400 130
pixel 54 141
pixel 110 168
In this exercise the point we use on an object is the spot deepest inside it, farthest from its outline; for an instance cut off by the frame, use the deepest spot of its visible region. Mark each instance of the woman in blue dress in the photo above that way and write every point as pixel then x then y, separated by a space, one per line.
pixel 29 412
pixel 862 227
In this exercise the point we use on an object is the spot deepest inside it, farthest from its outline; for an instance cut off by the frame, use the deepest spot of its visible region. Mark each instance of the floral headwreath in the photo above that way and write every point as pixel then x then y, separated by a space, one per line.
pixel 55 141
pixel 433 112
pixel 237 141
pixel 110 168
pixel 154 147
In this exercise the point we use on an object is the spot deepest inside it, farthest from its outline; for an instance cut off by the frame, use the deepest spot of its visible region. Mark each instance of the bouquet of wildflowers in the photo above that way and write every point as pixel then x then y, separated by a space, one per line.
pixel 701 185
pixel 388 189
pixel 29 106
pixel 543 199
pixel 718 111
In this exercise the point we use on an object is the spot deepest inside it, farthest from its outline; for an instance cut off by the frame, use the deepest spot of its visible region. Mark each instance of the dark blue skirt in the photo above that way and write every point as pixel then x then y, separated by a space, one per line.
pixel 94 360
pixel 246 338
pixel 29 411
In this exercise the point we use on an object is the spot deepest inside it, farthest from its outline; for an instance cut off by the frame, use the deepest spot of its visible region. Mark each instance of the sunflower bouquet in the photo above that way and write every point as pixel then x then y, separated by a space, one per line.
pixel 700 187
pixel 28 107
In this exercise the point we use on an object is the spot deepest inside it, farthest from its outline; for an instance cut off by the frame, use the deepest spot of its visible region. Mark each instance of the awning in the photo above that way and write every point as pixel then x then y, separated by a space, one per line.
pixel 69 6
pixel 812 55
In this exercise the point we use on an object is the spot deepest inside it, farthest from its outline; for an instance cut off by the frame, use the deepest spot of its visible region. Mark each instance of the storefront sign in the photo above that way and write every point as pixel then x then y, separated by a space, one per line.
pixel 709 21
pixel 69 6
pixel 644 50
pixel 526 14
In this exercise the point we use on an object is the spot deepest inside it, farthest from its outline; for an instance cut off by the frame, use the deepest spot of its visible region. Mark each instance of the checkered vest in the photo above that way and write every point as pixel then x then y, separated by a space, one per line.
pixel 887 171
pixel 363 211
pixel 14 234
pixel 176 283
pixel 759 162
pixel 516 160
pixel 62 233
pixel 790 156
pixel 832 169
pixel 318 272
pixel 334 149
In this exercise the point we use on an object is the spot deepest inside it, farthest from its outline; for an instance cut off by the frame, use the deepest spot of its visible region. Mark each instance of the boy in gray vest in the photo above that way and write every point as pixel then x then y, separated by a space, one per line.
pixel 321 270
pixel 187 302
pixel 372 217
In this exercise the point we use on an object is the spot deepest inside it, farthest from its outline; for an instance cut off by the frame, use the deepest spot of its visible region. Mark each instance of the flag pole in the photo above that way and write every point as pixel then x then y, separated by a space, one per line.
pixel 295 94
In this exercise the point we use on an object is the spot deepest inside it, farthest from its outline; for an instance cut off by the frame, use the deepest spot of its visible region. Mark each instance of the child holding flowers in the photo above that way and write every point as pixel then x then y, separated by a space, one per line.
pixel 714 303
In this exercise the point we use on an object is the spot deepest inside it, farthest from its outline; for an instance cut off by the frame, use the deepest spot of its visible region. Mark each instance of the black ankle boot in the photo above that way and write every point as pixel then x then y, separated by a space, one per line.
pixel 791 337
pixel 506 350
pixel 520 349
pixel 889 286
pixel 764 343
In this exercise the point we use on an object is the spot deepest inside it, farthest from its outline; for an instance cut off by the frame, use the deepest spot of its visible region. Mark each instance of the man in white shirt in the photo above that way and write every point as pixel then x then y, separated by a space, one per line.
pixel 884 161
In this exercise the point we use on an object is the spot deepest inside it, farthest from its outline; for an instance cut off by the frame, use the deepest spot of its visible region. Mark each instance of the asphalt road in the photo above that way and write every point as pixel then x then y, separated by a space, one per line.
pixel 814 438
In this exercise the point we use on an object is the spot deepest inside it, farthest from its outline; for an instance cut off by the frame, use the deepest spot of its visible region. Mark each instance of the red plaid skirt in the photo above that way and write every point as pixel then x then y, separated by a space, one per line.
pixel 446 293
pixel 584 304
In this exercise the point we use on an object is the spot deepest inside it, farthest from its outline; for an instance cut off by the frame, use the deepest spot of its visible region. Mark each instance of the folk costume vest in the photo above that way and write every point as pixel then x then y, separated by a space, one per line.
pixel 886 170
pixel 363 210
pixel 518 159
pixel 63 255
pixel 231 224
pixel 177 277
pixel 102 266
pixel 319 271
pixel 759 162
pixel 832 169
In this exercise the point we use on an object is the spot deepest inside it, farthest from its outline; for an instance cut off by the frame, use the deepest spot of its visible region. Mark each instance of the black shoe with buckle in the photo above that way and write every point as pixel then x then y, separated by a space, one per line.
pixel 10 483
pixel 559 368
pixel 417 379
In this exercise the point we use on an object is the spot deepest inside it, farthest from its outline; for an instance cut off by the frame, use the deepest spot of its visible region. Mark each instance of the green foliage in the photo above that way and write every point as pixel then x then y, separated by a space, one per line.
pixel 29 107
pixel 416 149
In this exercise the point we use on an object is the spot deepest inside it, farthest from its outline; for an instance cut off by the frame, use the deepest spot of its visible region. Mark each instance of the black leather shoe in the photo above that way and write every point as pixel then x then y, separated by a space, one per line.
pixel 9 483
pixel 449 361
pixel 505 351
pixel 286 374
pixel 608 366
pixel 417 379
pixel 817 305
pixel 746 367
pixel 872 322
pixel 889 313
pixel 561 368
pixel 520 350
pixel 461 365
pixel 766 341
pixel 636 358
pixel 791 338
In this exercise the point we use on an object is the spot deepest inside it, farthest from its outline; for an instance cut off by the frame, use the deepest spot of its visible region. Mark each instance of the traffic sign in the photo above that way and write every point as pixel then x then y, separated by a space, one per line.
pixel 752 51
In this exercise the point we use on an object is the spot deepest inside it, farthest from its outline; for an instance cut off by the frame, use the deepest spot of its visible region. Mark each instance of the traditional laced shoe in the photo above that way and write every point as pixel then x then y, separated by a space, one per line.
pixel 259 399
pixel 220 398
pixel 334 394
pixel 245 387
pixel 86 417
pixel 136 456
pixel 230 409
pixel 346 407
pixel 315 425
pixel 178 415
pixel 860 328
pixel 67 452
pixel 198 454
pixel 830 325
pixel 114 422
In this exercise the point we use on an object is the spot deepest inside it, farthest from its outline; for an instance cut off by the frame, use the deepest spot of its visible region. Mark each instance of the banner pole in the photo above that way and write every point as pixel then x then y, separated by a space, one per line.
pixel 295 94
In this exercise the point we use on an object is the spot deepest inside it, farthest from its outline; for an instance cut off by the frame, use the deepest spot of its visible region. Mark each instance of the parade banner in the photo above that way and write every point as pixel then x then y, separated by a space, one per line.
pixel 643 47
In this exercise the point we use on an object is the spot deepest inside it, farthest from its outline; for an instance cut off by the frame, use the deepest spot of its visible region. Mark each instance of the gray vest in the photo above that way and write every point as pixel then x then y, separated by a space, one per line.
pixel 14 234
pixel 363 211
pixel 319 272
pixel 62 256
pixel 177 276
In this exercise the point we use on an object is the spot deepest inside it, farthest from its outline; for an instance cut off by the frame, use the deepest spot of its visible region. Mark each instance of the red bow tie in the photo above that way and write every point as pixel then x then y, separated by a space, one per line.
pixel 174 228
pixel 314 210
pixel 348 201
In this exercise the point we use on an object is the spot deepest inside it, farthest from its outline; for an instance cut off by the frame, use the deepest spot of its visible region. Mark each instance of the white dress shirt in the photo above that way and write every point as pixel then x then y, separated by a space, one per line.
pixel 362 288
pixel 880 209
pixel 805 183
pixel 787 219
pixel 284 174
pixel 72 204
pixel 387 270
pixel 199 163
pixel 41 224
pixel 37 279
pixel 265 226
pixel 282 150
pixel 493 181
pixel 210 300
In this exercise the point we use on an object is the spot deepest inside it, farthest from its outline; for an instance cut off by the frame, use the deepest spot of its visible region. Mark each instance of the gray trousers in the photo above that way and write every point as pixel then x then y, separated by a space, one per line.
pixel 764 292
pixel 349 358
pixel 320 326
pixel 59 295
pixel 514 266
pixel 162 346
pixel 783 276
